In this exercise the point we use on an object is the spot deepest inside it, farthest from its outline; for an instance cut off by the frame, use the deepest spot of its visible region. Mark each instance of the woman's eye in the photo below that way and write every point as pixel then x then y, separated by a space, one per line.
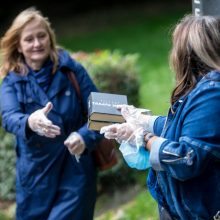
pixel 42 36
pixel 28 39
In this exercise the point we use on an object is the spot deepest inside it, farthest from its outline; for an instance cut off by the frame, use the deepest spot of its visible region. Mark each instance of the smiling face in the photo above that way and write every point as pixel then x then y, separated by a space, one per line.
pixel 35 44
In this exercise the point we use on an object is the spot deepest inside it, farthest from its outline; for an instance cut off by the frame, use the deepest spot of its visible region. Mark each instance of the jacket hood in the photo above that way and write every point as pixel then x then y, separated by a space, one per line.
pixel 65 60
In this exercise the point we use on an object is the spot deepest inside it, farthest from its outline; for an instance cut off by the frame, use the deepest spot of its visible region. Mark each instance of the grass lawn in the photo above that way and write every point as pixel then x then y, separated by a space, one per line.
pixel 140 207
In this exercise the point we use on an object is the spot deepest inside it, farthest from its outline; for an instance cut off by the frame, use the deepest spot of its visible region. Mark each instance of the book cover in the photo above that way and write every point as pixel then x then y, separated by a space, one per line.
pixel 102 107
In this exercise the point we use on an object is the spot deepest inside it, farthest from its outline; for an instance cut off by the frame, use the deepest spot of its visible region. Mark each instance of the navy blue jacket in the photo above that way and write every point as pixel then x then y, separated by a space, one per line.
pixel 50 184
pixel 185 174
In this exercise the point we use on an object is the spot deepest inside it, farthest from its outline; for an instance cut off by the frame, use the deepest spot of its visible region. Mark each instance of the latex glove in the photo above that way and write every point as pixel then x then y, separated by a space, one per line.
pixel 39 123
pixel 123 132
pixel 137 116
pixel 75 144
pixel 131 144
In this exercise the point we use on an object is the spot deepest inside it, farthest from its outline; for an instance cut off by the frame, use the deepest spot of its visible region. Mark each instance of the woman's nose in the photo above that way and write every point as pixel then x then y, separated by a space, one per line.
pixel 36 42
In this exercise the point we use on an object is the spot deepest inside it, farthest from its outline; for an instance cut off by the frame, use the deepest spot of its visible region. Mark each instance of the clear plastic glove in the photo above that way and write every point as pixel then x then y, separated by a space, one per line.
pixel 75 144
pixel 133 131
pixel 117 131
pixel 123 132
pixel 131 143
pixel 137 116
pixel 39 123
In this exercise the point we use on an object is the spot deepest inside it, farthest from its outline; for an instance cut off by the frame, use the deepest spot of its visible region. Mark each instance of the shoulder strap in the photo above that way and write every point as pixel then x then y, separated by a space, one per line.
pixel 73 80
pixel 75 83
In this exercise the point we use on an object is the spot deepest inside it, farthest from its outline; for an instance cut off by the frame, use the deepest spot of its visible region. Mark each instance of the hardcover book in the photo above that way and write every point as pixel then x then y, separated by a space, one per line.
pixel 97 125
pixel 102 107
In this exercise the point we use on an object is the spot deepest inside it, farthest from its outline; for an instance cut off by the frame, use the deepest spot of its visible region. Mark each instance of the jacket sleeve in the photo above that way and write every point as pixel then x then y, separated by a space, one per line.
pixel 13 120
pixel 158 125
pixel 86 86
pixel 198 143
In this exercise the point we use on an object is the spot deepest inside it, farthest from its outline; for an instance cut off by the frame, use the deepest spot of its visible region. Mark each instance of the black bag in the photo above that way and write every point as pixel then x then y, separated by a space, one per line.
pixel 105 154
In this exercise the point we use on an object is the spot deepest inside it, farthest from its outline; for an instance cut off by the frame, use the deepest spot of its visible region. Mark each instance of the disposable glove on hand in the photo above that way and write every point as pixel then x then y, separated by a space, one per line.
pixel 136 116
pixel 75 144
pixel 137 124
pixel 122 132
pixel 39 123
pixel 131 144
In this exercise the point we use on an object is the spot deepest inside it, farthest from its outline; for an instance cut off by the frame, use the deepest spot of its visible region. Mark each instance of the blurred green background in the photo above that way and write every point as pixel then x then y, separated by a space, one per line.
pixel 143 27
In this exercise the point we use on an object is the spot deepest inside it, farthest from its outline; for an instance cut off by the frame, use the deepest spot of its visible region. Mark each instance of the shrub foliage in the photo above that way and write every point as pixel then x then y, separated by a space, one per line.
pixel 7 165
pixel 113 71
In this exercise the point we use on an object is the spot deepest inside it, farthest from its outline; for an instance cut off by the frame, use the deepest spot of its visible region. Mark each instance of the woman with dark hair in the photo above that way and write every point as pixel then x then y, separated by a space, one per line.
pixel 184 146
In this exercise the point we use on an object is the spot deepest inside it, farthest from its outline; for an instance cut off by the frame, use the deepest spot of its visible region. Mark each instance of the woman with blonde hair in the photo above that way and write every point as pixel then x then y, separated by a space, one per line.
pixel 184 146
pixel 55 171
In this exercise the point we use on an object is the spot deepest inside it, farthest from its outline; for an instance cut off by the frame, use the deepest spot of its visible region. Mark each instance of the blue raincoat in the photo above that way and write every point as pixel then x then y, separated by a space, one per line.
pixel 50 183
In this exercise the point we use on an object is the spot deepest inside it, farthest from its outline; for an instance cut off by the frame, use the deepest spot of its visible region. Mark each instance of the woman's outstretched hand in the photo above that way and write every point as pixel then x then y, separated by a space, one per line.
pixel 39 123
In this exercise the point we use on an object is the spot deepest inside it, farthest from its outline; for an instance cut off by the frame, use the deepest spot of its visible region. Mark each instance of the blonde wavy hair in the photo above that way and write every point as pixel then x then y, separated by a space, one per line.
pixel 11 59
pixel 195 51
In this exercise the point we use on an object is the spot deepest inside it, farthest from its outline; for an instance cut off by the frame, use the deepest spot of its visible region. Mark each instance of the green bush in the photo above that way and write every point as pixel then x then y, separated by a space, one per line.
pixel 113 71
pixel 7 165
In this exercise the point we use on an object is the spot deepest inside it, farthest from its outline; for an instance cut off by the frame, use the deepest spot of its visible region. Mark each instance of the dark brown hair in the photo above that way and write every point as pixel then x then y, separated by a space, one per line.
pixel 195 51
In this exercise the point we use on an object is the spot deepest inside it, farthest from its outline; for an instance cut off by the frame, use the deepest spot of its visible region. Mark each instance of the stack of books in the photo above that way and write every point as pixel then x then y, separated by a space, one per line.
pixel 102 109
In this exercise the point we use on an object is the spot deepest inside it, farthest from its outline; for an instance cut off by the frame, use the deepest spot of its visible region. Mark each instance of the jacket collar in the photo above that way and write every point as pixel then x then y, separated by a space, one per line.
pixel 15 77
pixel 212 75
pixel 59 82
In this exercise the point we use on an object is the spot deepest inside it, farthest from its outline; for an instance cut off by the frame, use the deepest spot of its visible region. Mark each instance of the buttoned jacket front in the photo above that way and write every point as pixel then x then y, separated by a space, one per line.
pixel 44 166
